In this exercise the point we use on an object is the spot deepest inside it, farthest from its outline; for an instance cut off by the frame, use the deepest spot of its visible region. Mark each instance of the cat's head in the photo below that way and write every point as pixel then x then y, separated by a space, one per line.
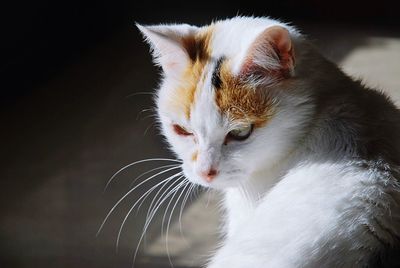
pixel 226 103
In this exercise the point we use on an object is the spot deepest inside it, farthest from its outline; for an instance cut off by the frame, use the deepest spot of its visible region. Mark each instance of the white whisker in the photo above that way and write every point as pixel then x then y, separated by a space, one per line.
pixel 164 196
pixel 149 116
pixel 170 217
pixel 148 128
pixel 151 170
pixel 208 193
pixel 148 221
pixel 185 198
pixel 151 210
pixel 135 163
pixel 139 93
pixel 130 191
pixel 145 110
pixel 175 190
pixel 142 197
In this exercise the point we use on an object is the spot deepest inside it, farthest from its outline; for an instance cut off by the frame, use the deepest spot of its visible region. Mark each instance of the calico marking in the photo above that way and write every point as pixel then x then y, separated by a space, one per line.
pixel 216 78
pixel 198 48
pixel 240 101
pixel 194 156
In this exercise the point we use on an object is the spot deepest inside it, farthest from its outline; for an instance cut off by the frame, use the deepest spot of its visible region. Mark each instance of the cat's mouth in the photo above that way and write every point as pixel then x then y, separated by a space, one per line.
pixel 226 177
pixel 223 180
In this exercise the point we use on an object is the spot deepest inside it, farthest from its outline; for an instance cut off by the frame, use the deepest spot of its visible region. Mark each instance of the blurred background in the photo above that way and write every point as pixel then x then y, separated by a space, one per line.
pixel 76 106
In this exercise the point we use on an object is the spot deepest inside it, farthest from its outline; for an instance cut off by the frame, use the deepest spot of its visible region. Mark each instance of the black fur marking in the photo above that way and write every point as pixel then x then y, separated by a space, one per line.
pixel 216 78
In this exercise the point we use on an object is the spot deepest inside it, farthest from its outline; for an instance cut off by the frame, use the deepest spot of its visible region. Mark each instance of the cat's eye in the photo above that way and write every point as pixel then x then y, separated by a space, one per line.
pixel 181 130
pixel 240 133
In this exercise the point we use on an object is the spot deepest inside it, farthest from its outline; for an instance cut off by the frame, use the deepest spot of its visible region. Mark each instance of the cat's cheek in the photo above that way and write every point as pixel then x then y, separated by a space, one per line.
pixel 182 146
pixel 189 174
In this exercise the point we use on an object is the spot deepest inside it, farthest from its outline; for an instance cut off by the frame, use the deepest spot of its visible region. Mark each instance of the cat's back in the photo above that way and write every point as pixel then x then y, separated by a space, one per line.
pixel 355 122
pixel 381 119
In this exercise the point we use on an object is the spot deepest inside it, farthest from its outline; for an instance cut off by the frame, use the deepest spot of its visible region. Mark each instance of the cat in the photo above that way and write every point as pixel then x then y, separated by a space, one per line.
pixel 307 159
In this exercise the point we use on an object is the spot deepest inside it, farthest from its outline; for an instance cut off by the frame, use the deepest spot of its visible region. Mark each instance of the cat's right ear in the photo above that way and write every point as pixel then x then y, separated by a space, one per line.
pixel 167 43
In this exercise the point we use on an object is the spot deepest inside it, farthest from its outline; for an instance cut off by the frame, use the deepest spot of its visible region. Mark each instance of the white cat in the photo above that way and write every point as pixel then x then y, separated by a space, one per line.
pixel 308 159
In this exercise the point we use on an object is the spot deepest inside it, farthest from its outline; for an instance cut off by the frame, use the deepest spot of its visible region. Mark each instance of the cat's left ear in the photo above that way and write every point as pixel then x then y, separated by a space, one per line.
pixel 169 45
pixel 270 54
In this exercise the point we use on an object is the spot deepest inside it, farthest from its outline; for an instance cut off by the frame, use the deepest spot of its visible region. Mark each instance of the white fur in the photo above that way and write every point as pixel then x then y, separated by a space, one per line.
pixel 314 217
pixel 289 202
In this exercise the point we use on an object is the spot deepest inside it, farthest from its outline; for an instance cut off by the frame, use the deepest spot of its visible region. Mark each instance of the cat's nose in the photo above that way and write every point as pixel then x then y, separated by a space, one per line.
pixel 209 175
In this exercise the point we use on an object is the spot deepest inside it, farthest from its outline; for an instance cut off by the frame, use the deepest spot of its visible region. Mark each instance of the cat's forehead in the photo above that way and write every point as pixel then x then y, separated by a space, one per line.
pixel 209 87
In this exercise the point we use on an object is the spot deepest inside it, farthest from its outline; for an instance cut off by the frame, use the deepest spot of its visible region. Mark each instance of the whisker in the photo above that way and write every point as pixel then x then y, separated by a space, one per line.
pixel 164 198
pixel 144 196
pixel 139 93
pixel 196 191
pixel 135 163
pixel 174 192
pixel 151 170
pixel 208 193
pixel 167 192
pixel 149 221
pixel 150 209
pixel 129 192
pixel 149 127
pixel 185 198
pixel 149 116
pixel 143 111
pixel 169 220
pixel 153 209
pixel 184 182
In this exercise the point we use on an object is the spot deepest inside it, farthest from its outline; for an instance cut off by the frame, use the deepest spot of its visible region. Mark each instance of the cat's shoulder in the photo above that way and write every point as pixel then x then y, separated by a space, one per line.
pixel 341 176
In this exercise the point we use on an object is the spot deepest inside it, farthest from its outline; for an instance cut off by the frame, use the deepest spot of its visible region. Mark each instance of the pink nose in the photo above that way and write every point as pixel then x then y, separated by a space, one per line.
pixel 209 175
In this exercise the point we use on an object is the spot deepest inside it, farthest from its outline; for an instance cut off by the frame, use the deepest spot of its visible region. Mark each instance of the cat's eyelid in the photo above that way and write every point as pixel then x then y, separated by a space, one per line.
pixel 232 136
pixel 181 130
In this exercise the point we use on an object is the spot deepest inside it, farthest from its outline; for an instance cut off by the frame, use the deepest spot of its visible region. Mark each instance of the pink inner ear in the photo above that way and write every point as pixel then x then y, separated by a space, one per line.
pixel 271 53
pixel 280 37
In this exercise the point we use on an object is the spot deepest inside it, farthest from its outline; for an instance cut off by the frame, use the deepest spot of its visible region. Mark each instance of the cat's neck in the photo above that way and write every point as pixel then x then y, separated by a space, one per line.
pixel 262 180
pixel 240 202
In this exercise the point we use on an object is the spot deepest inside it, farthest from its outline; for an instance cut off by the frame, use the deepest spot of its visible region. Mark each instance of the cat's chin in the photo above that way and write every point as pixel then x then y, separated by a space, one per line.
pixel 219 183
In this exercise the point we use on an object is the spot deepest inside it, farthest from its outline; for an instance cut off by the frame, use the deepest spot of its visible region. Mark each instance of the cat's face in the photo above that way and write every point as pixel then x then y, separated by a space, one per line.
pixel 221 102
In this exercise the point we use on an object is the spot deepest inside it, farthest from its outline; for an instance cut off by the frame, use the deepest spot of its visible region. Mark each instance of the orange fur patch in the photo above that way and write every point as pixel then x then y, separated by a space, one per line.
pixel 241 102
pixel 199 51
pixel 194 156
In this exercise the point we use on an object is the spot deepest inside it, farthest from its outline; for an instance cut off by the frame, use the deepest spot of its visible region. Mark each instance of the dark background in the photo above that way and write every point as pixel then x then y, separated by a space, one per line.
pixel 40 37
pixel 67 70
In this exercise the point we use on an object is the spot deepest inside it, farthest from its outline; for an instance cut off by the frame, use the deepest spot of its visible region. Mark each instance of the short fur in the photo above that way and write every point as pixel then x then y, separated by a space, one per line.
pixel 316 184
